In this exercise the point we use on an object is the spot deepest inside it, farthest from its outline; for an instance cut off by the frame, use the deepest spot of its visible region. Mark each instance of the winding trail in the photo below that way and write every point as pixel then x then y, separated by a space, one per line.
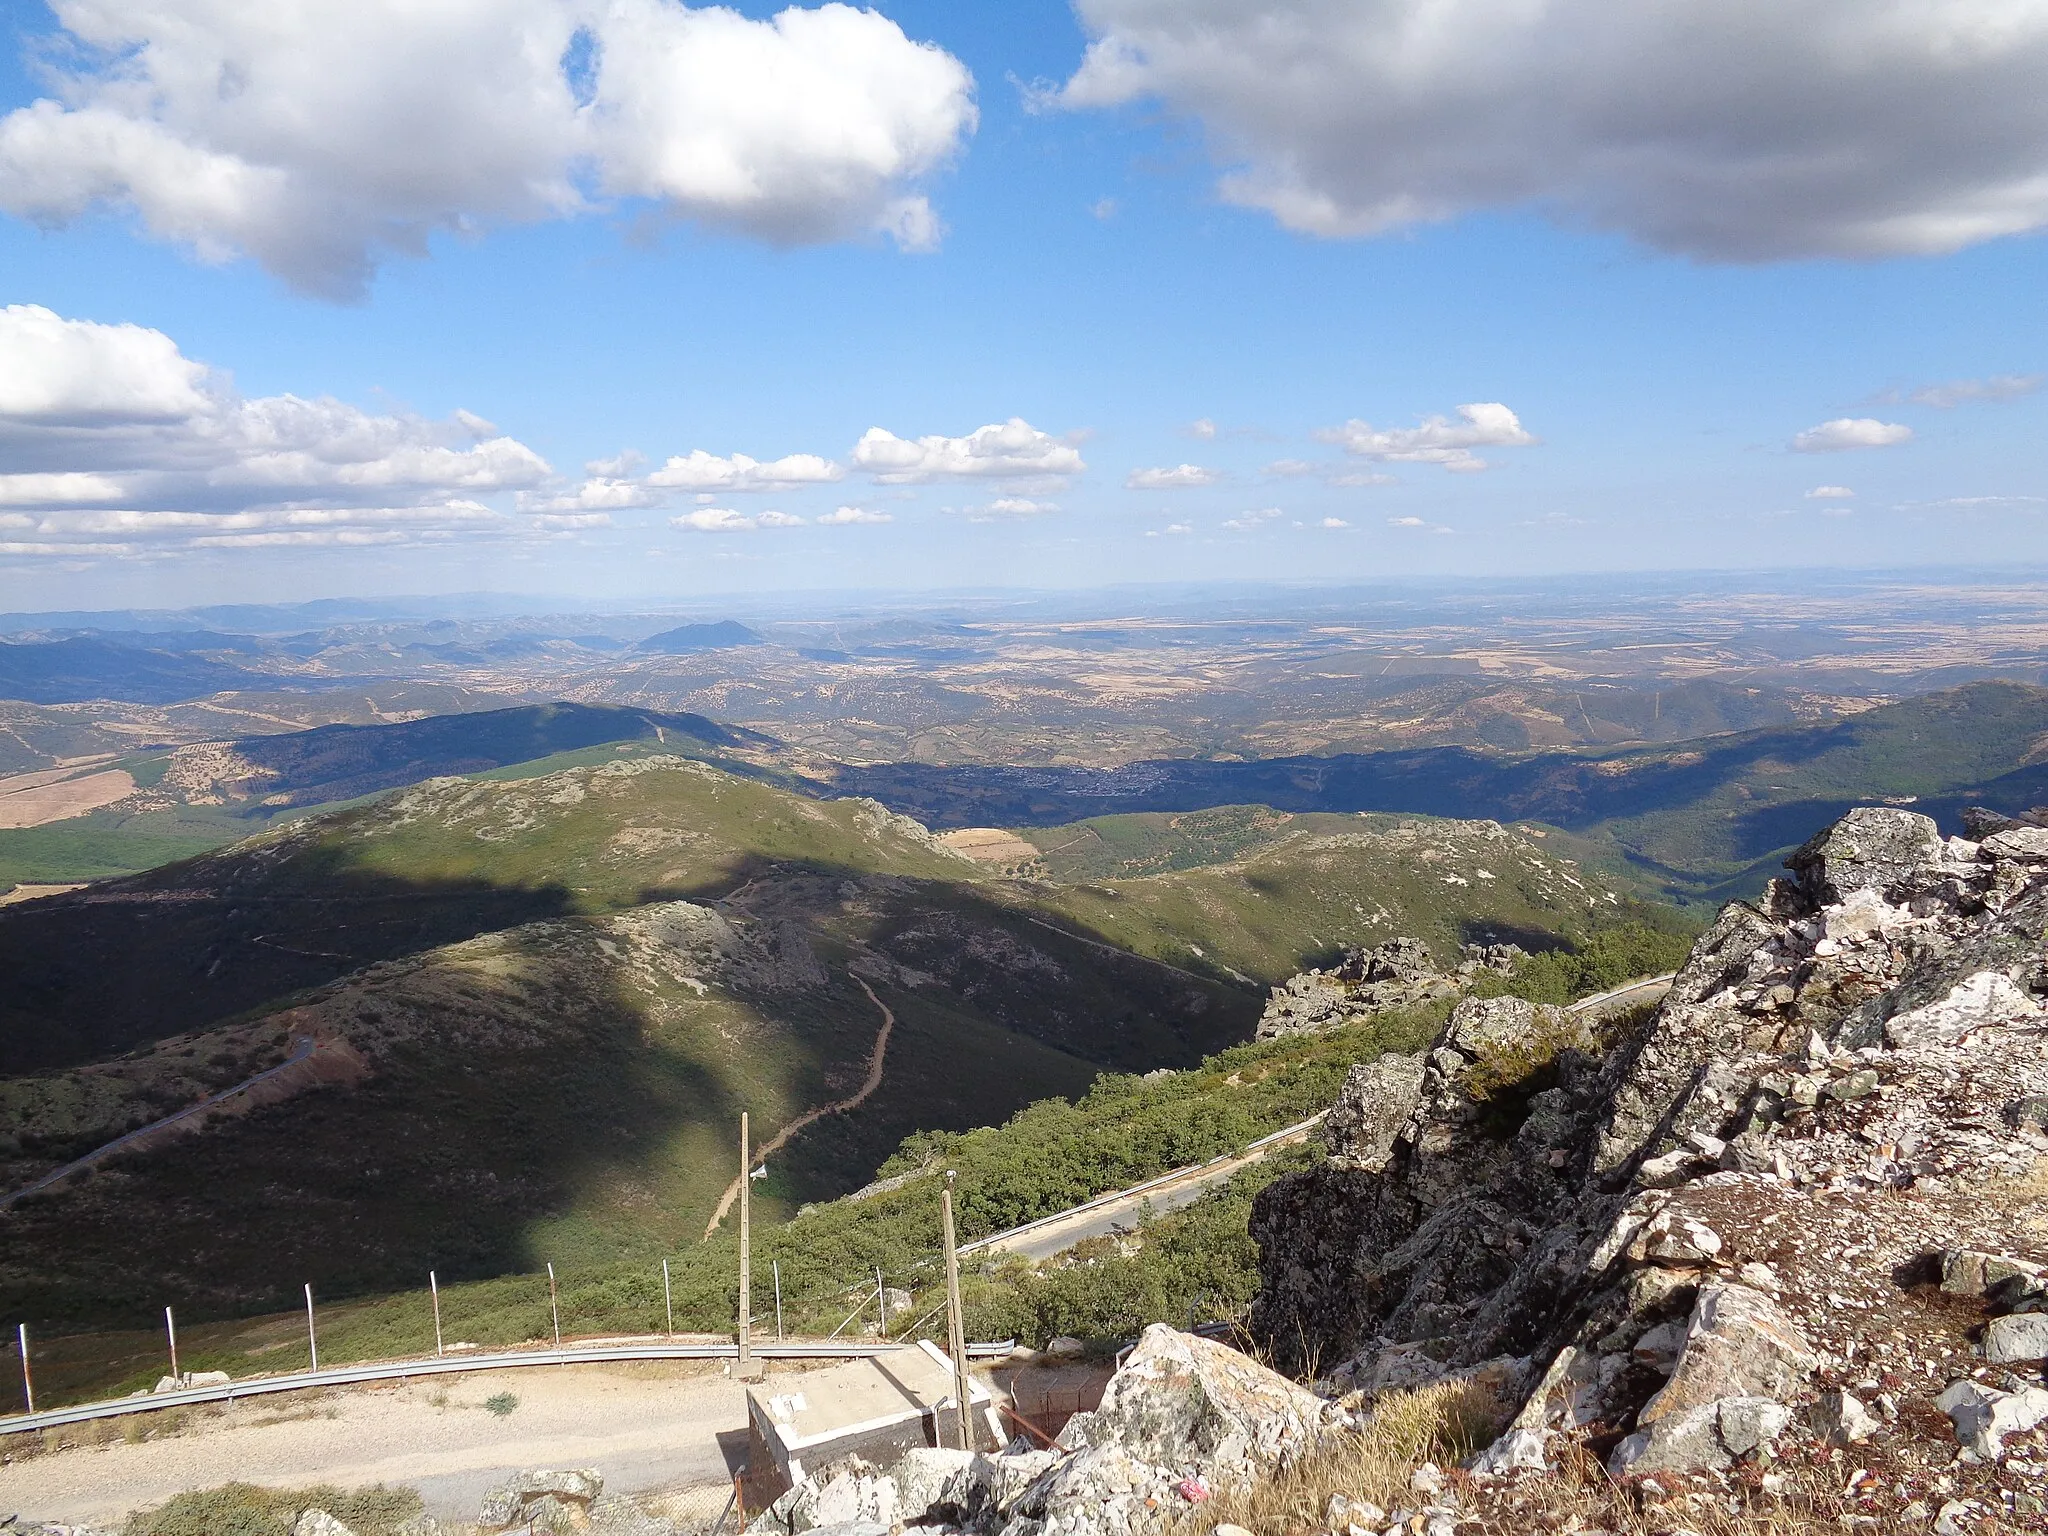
pixel 874 1080
pixel 303 1048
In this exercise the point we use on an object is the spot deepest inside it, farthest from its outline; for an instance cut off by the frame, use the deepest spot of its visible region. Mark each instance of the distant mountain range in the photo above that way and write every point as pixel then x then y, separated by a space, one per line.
pixel 1708 818
pixel 67 671
pixel 688 639
pixel 343 762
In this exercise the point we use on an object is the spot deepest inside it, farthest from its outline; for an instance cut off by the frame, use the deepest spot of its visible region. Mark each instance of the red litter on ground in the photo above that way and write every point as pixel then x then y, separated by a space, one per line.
pixel 1193 1489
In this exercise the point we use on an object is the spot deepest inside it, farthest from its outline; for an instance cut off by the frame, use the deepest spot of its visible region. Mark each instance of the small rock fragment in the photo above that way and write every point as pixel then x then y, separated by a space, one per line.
pixel 1841 1419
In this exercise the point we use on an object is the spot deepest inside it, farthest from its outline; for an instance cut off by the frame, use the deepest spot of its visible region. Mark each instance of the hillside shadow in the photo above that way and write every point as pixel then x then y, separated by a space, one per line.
pixel 562 1099
pixel 128 962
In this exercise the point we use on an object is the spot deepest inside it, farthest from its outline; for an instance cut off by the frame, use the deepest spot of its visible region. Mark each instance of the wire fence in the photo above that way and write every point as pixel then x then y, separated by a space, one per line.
pixel 45 1371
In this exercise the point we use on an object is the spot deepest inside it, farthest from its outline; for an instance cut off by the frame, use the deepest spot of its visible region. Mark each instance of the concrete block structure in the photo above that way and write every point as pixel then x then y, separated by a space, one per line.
pixel 875 1408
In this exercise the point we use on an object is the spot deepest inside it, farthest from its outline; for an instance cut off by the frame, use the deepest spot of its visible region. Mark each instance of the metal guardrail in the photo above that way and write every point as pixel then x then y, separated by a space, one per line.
pixel 348 1375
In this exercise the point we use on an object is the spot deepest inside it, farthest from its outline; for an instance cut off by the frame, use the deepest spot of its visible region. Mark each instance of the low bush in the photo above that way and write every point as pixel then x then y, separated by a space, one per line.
pixel 243 1509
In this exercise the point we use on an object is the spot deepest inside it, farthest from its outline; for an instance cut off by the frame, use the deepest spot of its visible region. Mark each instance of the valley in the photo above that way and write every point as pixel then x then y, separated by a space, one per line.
pixel 530 956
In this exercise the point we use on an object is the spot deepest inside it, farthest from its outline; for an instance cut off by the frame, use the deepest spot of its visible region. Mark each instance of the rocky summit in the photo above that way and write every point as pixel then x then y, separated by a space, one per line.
pixel 1801 1203
pixel 1397 974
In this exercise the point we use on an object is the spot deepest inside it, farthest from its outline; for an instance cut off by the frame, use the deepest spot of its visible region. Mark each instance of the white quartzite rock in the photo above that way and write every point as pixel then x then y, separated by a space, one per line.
pixel 1181 1406
pixel 2023 1336
pixel 1983 1416
pixel 1742 1355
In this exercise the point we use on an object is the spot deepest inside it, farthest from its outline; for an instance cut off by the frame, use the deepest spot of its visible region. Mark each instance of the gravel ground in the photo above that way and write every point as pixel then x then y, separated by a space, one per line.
pixel 646 1426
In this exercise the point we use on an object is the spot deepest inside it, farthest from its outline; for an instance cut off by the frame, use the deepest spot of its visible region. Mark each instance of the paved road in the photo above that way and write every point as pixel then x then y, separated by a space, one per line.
pixel 1121 1211
pixel 643 1426
pixel 302 1049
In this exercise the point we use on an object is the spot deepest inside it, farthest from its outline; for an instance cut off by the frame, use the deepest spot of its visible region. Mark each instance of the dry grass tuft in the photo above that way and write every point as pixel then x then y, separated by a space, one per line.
pixel 1443 1424
pixel 1446 1423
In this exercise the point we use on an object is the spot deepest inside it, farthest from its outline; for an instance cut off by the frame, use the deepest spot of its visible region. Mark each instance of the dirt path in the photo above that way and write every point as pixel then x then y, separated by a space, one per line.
pixel 644 1426
pixel 874 1081
pixel 302 1049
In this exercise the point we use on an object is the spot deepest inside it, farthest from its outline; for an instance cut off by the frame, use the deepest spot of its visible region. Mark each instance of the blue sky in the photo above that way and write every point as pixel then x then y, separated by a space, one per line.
pixel 1092 281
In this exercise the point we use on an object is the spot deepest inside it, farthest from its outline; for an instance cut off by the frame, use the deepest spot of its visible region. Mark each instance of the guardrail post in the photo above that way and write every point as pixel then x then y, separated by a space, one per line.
pixel 171 1328
pixel 775 1265
pixel 956 1333
pixel 312 1339
pixel 434 1285
pixel 28 1382
pixel 743 1369
pixel 554 1305
pixel 668 1299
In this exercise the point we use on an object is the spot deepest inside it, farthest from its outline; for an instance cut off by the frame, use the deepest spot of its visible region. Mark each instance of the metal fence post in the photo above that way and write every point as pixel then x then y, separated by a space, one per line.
pixel 312 1338
pixel 434 1285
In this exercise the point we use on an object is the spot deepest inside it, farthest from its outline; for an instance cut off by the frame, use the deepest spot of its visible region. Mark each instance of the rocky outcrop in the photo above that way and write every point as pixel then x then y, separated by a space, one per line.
pixel 548 1499
pixel 1183 1417
pixel 1800 1199
pixel 1397 974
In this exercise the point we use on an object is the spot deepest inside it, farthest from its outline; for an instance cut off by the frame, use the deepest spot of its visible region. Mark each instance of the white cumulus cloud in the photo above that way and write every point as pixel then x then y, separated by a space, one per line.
pixel 1009 509
pixel 319 136
pixel 1334 522
pixel 112 429
pixel 847 517
pixel 1245 522
pixel 1438 440
pixel 1850 432
pixel 1180 477
pixel 572 522
pixel 1006 450
pixel 701 471
pixel 1742 130
pixel 727 520
pixel 1830 493
pixel 597 492
pixel 712 520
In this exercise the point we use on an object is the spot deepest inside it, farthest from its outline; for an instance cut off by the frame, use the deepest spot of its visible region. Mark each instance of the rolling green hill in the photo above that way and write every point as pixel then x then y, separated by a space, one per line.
pixel 1702 820
pixel 543 997
pixel 194 798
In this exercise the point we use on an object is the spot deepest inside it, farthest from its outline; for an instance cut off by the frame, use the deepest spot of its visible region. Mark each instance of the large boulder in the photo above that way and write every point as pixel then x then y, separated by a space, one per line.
pixel 1743 1357
pixel 1183 1411
pixel 1872 848
pixel 1375 1103
pixel 541 1496
pixel 1397 974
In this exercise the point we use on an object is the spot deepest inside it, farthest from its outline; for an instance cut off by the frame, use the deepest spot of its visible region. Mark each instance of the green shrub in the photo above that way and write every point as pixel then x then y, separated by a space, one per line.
pixel 499 1404
pixel 242 1509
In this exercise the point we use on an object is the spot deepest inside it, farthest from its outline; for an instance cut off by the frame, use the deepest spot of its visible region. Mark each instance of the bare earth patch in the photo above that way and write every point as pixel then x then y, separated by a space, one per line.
pixel 31 892
pixel 989 845
pixel 645 1426
pixel 30 799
